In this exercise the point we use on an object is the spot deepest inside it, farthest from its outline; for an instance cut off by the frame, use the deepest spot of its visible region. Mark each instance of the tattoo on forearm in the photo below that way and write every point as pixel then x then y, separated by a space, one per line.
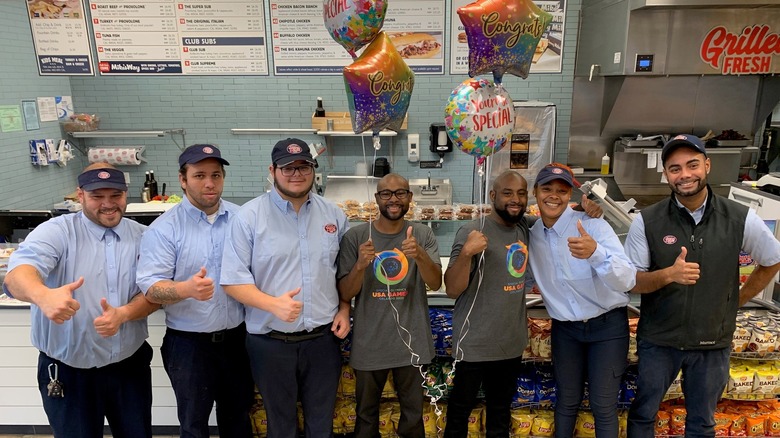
pixel 164 295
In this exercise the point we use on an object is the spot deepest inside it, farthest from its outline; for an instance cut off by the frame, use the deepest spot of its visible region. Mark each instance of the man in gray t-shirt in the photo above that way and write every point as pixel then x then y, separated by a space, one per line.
pixel 489 338
pixel 386 267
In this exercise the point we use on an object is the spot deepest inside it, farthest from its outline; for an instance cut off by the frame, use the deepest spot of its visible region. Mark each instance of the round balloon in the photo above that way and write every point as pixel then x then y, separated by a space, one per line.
pixel 354 23
pixel 502 36
pixel 379 87
pixel 479 117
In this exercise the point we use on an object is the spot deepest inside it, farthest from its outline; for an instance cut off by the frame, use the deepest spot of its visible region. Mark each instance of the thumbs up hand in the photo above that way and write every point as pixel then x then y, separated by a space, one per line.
pixel 108 323
pixel 584 246
pixel 200 287
pixel 59 305
pixel 683 272
pixel 286 307
pixel 409 246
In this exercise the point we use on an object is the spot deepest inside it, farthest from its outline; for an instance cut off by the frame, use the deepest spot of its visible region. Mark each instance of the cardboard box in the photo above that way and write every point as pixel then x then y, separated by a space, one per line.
pixel 342 121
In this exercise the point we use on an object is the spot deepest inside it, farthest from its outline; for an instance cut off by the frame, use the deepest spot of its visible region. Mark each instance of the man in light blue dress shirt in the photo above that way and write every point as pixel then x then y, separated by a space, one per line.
pixel 280 262
pixel 584 277
pixel 88 316
pixel 181 259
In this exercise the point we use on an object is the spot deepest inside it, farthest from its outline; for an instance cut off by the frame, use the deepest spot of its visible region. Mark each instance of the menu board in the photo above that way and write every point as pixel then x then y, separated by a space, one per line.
pixel 549 52
pixel 61 37
pixel 159 37
pixel 302 45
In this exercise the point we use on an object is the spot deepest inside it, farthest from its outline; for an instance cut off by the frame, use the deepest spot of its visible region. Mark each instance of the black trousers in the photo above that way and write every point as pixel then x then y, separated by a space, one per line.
pixel 205 368
pixel 120 392
pixel 499 381
pixel 368 392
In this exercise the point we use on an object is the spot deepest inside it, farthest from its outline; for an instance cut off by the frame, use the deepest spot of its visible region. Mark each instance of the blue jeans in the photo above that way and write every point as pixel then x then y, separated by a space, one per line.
pixel 209 367
pixel 705 374
pixel 368 392
pixel 595 350
pixel 121 392
pixel 499 381
pixel 284 370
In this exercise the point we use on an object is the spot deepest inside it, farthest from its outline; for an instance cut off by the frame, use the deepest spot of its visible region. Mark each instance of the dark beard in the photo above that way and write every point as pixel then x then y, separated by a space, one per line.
pixel 293 195
pixel 383 212
pixel 507 217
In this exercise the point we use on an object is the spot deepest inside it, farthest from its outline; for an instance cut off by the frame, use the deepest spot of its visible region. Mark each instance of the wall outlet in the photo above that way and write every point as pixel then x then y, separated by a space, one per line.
pixel 318 178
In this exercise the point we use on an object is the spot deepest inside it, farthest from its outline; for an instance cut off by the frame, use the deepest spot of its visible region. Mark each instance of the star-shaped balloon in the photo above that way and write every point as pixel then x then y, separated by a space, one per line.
pixel 379 87
pixel 502 36
pixel 354 23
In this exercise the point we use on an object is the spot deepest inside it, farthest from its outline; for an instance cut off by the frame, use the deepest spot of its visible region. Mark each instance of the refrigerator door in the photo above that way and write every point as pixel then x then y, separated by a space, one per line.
pixel 531 148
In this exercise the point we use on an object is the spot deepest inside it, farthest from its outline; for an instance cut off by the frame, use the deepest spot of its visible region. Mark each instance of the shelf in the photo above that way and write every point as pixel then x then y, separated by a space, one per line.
pixel 329 135
pixel 130 134
pixel 255 131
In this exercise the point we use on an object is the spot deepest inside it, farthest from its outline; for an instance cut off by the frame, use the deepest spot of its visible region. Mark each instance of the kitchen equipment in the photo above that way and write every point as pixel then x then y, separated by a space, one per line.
pixel 381 167
pixel 641 67
pixel 340 188
pixel 636 168
pixel 431 191
pixel 531 148
pixel 15 225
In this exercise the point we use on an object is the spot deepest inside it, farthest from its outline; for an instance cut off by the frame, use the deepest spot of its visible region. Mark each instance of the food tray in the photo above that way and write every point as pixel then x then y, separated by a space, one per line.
pixel 730 143
pixel 639 143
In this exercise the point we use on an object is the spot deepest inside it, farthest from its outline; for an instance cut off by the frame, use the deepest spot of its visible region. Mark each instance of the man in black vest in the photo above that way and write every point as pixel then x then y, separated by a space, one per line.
pixel 686 250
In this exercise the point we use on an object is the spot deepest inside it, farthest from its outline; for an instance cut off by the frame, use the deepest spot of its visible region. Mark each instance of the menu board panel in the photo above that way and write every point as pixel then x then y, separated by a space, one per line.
pixel 60 36
pixel 180 37
pixel 549 52
pixel 302 45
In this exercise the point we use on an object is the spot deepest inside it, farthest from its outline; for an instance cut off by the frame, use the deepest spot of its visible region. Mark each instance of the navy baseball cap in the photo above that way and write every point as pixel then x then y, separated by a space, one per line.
pixel 103 178
pixel 681 140
pixel 551 173
pixel 200 152
pixel 290 150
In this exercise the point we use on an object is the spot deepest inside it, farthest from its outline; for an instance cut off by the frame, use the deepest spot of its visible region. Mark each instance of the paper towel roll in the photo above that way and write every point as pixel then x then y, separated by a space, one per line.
pixel 117 156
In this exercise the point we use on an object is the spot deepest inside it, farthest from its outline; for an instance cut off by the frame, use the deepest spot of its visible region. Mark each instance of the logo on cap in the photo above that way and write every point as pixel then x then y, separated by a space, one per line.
pixel 681 137
pixel 557 171
pixel 104 175
pixel 208 150
pixel 670 240
pixel 294 149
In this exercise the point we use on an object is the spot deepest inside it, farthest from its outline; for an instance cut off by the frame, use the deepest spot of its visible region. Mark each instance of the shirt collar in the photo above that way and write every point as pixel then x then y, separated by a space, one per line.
pixel 563 221
pixel 700 209
pixel 196 213
pixel 99 231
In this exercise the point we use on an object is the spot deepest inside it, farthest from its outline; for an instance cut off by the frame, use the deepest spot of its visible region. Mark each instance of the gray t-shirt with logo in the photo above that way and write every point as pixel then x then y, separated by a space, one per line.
pixel 497 327
pixel 376 343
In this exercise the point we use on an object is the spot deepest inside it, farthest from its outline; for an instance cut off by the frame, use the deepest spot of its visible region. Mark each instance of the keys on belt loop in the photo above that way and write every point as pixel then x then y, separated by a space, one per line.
pixel 55 386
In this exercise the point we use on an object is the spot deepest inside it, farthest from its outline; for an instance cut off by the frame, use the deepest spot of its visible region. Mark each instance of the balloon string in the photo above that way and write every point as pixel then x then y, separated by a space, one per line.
pixel 367 184
pixel 459 354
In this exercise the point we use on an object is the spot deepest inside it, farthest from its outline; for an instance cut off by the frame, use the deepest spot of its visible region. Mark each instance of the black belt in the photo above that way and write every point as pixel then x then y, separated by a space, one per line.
pixel 302 335
pixel 214 337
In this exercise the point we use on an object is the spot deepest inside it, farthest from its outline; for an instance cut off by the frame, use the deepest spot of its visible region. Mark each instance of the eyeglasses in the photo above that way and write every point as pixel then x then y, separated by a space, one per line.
pixel 387 194
pixel 302 170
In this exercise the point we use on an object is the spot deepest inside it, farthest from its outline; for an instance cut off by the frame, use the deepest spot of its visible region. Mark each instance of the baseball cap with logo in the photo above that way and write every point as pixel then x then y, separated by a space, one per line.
pixel 681 140
pixel 200 152
pixel 552 172
pixel 103 178
pixel 290 150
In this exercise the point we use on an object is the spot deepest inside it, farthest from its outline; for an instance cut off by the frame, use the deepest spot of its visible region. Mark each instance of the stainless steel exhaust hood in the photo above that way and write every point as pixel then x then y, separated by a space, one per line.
pixel 663 66
pixel 664 37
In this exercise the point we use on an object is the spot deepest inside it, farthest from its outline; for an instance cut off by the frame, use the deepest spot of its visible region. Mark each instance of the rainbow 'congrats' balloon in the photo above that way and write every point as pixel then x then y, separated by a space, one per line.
pixel 479 117
pixel 502 35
